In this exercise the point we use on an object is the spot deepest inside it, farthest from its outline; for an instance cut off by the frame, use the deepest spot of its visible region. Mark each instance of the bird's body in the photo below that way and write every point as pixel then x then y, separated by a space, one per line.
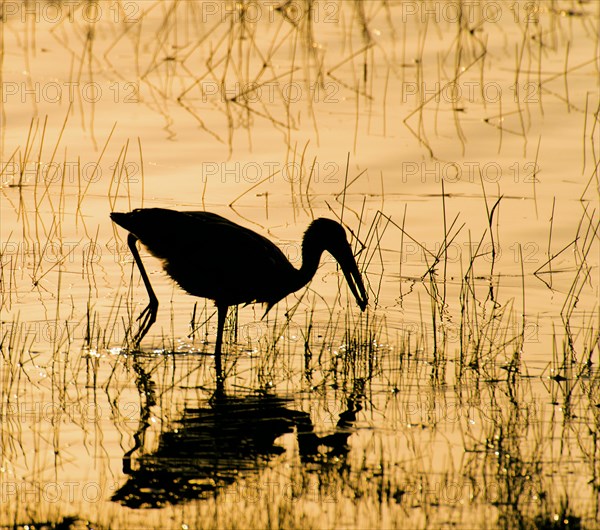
pixel 212 257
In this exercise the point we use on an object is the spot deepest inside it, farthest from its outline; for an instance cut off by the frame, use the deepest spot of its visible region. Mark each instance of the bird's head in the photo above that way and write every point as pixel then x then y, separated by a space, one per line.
pixel 325 234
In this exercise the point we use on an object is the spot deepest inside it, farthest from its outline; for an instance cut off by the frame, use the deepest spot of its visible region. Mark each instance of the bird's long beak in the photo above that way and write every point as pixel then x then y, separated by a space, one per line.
pixel 350 269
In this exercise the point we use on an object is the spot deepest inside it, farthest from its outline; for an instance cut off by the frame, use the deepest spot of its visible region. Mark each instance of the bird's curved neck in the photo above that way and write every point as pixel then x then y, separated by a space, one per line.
pixel 311 255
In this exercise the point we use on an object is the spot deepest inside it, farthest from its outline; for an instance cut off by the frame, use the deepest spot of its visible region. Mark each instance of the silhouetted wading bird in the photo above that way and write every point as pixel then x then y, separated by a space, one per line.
pixel 211 257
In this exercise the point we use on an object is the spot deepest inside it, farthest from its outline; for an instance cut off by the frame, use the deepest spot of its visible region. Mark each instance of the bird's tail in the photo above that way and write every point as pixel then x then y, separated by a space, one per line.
pixel 152 226
pixel 139 222
pixel 120 219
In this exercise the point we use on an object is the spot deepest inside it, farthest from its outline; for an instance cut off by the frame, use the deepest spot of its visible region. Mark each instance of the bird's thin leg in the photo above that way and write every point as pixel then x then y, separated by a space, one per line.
pixel 148 315
pixel 221 315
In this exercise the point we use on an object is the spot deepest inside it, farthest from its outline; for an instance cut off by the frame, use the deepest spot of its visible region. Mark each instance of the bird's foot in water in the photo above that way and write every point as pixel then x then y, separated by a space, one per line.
pixel 147 318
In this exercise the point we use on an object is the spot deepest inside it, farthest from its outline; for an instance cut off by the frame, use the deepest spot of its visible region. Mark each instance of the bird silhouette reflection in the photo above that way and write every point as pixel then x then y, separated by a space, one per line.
pixel 210 448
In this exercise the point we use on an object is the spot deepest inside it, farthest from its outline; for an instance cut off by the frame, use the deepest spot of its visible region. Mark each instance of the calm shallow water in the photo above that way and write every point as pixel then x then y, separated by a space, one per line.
pixel 466 396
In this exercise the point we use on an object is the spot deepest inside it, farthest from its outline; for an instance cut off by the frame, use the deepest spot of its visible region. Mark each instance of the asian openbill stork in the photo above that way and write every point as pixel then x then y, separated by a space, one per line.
pixel 212 257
